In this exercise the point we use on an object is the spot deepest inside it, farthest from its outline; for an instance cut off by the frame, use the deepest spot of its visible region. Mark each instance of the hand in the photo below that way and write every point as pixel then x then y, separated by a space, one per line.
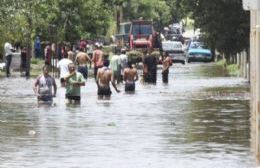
pixel 73 73
pixel 77 84
pixel 54 95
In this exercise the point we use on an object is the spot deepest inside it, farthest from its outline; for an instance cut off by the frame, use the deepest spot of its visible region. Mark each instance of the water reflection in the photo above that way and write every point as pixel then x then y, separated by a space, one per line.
pixel 158 126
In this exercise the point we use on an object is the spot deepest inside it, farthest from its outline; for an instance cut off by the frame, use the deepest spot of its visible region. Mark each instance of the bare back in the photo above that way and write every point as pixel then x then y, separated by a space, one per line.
pixel 130 75
pixel 82 58
pixel 104 76
pixel 98 58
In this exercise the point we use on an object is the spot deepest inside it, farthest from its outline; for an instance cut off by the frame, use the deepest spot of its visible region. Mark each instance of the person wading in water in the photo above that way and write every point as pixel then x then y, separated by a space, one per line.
pixel 130 75
pixel 103 79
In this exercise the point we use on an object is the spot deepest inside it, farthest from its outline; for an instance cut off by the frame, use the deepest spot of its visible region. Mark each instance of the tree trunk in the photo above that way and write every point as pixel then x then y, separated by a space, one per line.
pixel 29 47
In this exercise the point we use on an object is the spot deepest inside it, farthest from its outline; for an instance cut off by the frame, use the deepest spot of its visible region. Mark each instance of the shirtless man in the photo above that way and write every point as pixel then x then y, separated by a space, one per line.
pixel 98 59
pixel 82 59
pixel 130 76
pixel 166 65
pixel 103 79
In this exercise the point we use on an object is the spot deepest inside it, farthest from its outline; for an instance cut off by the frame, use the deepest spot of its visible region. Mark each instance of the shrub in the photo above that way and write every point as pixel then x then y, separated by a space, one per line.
pixel 35 61
pixel 233 69
pixel 135 56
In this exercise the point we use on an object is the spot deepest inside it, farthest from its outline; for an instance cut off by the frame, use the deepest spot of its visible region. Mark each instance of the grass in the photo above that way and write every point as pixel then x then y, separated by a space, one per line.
pixel 36 68
pixel 221 63
pixel 233 69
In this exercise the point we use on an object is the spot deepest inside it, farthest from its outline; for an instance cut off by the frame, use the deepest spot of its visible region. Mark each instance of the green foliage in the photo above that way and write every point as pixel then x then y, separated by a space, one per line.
pixel 156 10
pixel 36 61
pixel 135 56
pixel 233 69
pixel 156 54
pixel 221 63
pixel 224 23
pixel 177 10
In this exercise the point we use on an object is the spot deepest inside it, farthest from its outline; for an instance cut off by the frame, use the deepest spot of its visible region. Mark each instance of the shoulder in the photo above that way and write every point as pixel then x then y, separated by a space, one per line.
pixel 38 78
pixel 100 69
pixel 109 72
pixel 60 62
pixel 50 77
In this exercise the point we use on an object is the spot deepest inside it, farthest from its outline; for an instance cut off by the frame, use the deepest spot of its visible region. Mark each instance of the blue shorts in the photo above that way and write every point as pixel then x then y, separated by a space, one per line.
pixel 83 70
pixel 45 98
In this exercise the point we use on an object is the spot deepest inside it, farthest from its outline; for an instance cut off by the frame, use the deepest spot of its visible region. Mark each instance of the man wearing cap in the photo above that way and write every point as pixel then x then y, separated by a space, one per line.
pixel 98 58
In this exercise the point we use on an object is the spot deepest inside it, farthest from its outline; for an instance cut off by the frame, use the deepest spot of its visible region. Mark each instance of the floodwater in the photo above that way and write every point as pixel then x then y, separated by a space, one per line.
pixel 199 120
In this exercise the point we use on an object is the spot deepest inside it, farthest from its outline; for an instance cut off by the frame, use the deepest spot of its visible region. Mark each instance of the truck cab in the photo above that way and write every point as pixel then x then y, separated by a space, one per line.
pixel 141 34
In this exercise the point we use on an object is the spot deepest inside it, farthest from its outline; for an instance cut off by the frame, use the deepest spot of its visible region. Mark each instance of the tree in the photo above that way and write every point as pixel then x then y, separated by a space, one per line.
pixel 177 10
pixel 225 25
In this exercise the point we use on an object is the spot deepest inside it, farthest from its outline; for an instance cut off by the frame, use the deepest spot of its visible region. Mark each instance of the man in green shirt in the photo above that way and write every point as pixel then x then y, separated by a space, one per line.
pixel 115 65
pixel 73 83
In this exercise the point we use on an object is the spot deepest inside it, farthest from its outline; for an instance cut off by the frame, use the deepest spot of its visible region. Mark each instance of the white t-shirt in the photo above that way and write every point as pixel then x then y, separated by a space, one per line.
pixel 8 49
pixel 45 85
pixel 124 60
pixel 63 66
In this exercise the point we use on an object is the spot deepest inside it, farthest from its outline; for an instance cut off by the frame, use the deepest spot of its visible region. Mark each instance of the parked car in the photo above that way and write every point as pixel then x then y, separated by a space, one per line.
pixel 198 52
pixel 175 51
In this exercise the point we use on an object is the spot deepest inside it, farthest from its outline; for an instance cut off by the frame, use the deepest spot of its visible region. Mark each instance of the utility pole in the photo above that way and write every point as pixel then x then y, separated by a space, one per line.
pixel 254 7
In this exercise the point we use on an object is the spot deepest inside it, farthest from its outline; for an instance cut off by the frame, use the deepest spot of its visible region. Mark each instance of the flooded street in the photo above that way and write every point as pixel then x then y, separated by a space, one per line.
pixel 199 120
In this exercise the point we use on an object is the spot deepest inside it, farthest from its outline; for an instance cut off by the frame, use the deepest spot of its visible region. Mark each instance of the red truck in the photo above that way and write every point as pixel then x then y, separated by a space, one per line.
pixel 137 34
pixel 141 34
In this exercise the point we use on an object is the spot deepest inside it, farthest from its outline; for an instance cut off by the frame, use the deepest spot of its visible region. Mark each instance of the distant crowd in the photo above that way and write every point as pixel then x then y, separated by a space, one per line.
pixel 74 66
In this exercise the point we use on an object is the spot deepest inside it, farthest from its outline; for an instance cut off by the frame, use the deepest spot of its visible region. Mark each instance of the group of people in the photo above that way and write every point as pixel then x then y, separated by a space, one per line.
pixel 74 73
pixel 9 52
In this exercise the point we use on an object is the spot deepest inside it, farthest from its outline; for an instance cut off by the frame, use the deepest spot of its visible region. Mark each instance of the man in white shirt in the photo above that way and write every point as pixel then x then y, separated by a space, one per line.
pixel 115 65
pixel 8 56
pixel 124 60
pixel 63 66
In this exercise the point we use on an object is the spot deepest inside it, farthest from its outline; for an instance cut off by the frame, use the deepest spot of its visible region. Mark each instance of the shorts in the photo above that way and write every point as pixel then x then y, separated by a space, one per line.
pixel 84 71
pixel 45 98
pixel 130 87
pixel 70 97
pixel 104 91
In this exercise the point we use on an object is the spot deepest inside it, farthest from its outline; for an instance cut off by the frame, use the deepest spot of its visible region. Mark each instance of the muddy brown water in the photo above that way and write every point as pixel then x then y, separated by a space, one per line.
pixel 200 119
